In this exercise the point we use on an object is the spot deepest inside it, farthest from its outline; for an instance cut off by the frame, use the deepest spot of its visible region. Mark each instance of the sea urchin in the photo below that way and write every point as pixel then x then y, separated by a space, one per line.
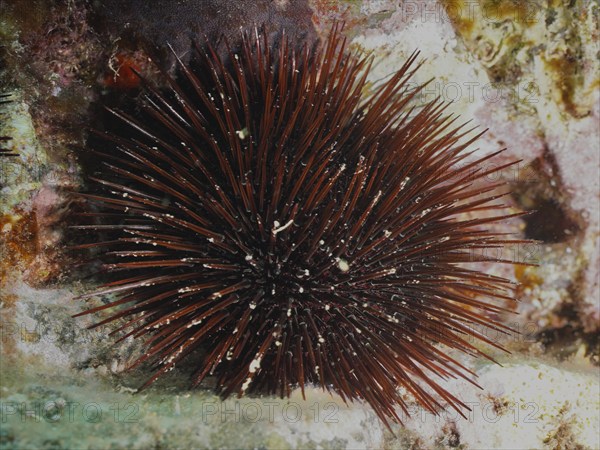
pixel 265 209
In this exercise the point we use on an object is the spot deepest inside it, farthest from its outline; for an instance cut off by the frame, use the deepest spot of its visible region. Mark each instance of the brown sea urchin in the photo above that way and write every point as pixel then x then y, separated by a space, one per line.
pixel 266 210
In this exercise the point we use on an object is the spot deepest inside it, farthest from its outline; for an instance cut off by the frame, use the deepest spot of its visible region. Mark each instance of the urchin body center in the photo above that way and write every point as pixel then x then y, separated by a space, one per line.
pixel 277 279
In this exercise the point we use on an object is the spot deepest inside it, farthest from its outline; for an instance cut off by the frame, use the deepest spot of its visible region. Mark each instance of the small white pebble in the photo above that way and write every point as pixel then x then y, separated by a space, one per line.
pixel 343 265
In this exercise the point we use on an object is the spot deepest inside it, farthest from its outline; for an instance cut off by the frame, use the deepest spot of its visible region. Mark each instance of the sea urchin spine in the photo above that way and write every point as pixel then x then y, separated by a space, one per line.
pixel 264 209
